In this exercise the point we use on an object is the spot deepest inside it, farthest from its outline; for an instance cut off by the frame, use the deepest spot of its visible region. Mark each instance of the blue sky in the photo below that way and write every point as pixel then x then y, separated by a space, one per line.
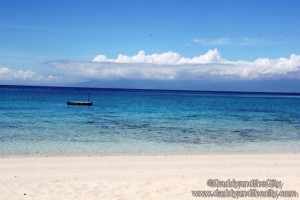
pixel 41 41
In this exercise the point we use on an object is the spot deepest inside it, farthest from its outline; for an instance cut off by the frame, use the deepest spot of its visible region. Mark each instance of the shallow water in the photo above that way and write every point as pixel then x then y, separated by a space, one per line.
pixel 37 121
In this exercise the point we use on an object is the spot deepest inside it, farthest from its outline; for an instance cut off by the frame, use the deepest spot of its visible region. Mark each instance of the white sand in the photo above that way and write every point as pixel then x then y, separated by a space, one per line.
pixel 138 177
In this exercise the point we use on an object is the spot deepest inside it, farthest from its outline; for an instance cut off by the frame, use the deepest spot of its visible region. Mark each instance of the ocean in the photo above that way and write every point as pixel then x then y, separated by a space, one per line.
pixel 37 121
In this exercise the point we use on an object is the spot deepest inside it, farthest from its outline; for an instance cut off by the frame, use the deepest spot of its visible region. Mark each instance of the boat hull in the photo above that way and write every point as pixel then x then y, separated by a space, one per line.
pixel 79 103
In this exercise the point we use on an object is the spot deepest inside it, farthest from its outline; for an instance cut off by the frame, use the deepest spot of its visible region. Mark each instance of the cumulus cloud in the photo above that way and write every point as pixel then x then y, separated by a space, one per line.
pixel 7 74
pixel 173 66
pixel 169 58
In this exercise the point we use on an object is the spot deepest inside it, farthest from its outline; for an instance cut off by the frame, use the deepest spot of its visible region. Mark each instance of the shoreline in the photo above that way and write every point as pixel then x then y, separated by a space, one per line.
pixel 213 153
pixel 139 177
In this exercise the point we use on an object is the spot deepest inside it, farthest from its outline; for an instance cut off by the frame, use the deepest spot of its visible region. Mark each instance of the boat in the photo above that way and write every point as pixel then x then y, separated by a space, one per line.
pixel 80 103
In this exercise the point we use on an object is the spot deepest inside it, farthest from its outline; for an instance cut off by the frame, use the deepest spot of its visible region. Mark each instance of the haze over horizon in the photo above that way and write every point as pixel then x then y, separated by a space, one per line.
pixel 192 45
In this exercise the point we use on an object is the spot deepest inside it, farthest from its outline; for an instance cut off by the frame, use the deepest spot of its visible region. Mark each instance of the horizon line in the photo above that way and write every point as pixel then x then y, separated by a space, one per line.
pixel 148 89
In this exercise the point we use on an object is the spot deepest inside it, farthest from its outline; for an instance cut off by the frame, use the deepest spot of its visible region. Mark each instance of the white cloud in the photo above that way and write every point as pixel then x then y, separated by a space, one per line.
pixel 213 42
pixel 252 41
pixel 245 41
pixel 7 74
pixel 4 70
pixel 169 58
pixel 173 66
pixel 141 57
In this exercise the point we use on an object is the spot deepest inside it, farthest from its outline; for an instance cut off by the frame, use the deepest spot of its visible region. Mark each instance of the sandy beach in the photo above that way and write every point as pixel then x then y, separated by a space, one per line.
pixel 140 177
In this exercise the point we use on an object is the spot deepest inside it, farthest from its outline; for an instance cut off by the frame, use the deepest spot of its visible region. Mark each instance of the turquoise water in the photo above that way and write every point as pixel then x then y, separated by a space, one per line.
pixel 37 121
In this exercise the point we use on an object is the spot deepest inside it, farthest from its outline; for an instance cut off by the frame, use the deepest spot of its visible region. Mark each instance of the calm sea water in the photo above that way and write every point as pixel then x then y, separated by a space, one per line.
pixel 37 121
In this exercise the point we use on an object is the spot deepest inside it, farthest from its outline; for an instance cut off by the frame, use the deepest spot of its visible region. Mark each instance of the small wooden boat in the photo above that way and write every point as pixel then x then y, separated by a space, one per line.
pixel 81 103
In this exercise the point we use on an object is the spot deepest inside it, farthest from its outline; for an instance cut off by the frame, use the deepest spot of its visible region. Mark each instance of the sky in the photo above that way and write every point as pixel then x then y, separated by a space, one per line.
pixel 244 45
